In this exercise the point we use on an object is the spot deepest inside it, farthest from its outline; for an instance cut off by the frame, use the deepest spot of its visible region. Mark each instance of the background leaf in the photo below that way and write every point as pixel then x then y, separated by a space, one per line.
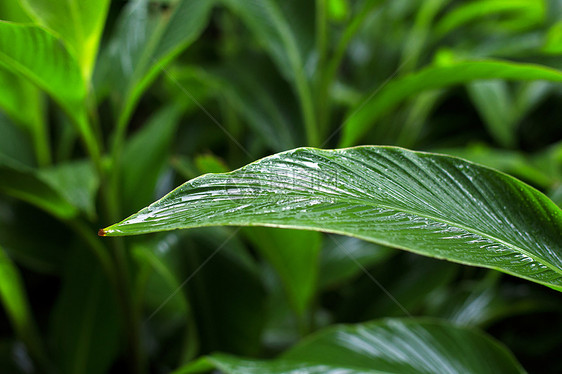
pixel 146 39
pixel 78 23
pixel 33 53
pixel 23 183
pixel 389 346
pixel 14 299
pixel 85 324
pixel 145 157
pixel 295 256
pixel 383 101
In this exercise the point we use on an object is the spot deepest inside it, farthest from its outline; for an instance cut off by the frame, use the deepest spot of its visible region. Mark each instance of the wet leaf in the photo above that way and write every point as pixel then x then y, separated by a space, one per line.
pixel 430 204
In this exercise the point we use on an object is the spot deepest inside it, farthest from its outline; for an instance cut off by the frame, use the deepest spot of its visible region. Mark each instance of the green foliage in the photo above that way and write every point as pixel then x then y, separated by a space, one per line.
pixel 379 347
pixel 107 106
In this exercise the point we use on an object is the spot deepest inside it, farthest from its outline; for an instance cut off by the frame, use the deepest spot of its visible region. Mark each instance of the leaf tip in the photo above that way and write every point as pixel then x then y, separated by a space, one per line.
pixel 102 232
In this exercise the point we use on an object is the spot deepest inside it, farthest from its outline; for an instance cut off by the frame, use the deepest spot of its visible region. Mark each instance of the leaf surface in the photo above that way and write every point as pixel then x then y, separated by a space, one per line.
pixel 78 23
pixel 430 204
pixel 32 52
pixel 386 346
pixel 85 326
pixel 23 183
pixel 146 39
pixel 15 302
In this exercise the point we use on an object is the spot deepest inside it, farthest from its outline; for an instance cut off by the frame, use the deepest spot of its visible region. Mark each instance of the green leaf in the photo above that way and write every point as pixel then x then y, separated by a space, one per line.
pixel 295 257
pixel 33 53
pixel 145 156
pixel 168 313
pixel 14 299
pixel 44 251
pixel 494 103
pixel 24 94
pixel 553 43
pixel 146 40
pixel 411 288
pixel 284 29
pixel 85 322
pixel 15 143
pixel 433 77
pixel 426 203
pixel 23 183
pixel 523 12
pixel 518 164
pixel 386 346
pixel 229 309
pixel 77 182
pixel 341 255
pixel 78 23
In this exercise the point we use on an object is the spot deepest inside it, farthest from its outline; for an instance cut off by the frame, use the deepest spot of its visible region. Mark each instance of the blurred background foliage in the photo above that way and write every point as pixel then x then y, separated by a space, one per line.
pixel 107 105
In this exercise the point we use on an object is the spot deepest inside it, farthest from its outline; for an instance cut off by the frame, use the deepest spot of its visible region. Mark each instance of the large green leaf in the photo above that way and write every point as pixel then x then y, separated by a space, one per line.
pixel 33 53
pixel 426 203
pixel 78 23
pixel 386 346
pixel 387 98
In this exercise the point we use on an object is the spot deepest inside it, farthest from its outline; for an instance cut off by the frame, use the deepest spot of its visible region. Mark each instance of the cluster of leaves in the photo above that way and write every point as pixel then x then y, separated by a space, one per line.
pixel 107 106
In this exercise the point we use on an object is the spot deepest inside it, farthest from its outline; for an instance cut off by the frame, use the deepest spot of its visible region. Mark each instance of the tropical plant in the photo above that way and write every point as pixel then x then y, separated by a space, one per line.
pixel 306 257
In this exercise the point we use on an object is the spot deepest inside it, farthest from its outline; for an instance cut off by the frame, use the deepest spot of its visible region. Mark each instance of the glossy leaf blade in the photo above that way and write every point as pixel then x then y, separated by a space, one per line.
pixel 386 99
pixel 387 346
pixel 430 204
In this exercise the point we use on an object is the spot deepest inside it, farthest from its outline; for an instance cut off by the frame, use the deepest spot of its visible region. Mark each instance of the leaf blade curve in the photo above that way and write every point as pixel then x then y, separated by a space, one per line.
pixel 434 205
pixel 390 345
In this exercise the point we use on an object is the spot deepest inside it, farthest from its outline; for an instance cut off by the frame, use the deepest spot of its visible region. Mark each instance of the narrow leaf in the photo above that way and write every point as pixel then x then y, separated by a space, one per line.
pixel 386 346
pixel 426 203
pixel 387 98
pixel 523 13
